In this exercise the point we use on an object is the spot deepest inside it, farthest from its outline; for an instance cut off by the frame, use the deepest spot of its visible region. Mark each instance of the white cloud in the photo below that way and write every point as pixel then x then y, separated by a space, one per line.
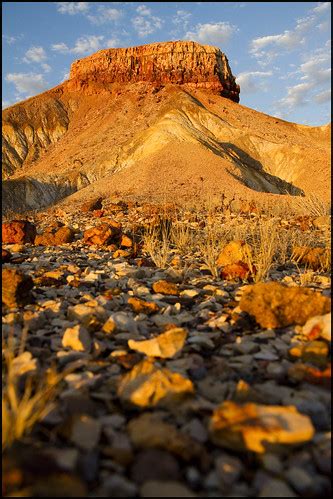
pixel 324 26
pixel 181 19
pixel 73 8
pixel 35 54
pixel 83 45
pixel 322 7
pixel 314 77
pixel 87 44
pixel 27 83
pixel 323 97
pixel 10 39
pixel 314 71
pixel 47 68
pixel 143 10
pixel 212 33
pixel 296 96
pixel 66 76
pixel 105 15
pixel 112 43
pixel 266 48
pixel 60 47
pixel 253 81
pixel 6 103
pixel 145 24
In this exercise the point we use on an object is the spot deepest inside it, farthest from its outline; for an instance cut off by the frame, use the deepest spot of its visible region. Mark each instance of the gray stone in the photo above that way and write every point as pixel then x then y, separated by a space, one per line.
pixel 154 488
pixel 276 488
pixel 301 481
pixel 228 469
pixel 119 486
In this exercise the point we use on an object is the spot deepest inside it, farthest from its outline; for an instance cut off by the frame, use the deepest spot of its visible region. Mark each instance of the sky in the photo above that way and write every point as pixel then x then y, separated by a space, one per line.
pixel 280 52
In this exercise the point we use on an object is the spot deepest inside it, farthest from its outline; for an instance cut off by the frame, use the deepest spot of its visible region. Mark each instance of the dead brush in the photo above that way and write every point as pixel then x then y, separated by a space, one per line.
pixel 24 406
pixel 182 237
pixel 311 205
pixel 156 243
pixel 210 242
pixel 263 238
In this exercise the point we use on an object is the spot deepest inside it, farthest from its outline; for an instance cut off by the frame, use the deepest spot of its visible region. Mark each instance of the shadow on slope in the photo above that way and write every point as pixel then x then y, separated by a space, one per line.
pixel 267 180
pixel 24 194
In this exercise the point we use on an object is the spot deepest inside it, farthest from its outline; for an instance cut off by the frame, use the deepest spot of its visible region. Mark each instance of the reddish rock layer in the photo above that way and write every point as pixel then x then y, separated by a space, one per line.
pixel 180 63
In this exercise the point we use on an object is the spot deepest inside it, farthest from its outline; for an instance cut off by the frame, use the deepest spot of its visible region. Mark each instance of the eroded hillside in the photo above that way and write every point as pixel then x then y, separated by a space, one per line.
pixel 121 125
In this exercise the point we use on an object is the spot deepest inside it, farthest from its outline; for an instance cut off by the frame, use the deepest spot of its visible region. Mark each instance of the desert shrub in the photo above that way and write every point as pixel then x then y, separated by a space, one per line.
pixel 156 242
pixel 311 205
pixel 26 400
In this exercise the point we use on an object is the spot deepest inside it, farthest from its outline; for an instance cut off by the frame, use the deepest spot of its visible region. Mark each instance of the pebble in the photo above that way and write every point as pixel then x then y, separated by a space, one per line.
pixel 84 323
pixel 276 488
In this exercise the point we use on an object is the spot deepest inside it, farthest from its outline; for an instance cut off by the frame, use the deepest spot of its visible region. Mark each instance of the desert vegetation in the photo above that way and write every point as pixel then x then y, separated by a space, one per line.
pixel 101 305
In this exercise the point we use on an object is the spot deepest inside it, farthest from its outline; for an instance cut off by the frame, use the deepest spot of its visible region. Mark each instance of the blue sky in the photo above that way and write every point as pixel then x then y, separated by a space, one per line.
pixel 280 52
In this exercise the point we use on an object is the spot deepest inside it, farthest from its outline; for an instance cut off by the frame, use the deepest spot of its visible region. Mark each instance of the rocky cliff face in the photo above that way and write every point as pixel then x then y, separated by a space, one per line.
pixel 28 129
pixel 180 63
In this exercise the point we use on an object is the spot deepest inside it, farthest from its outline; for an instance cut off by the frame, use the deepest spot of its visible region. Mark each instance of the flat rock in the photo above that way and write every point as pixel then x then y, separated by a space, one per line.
pixel 149 431
pixel 77 338
pixel 141 306
pixel 85 432
pixel 165 288
pixel 249 426
pixel 154 488
pixel 166 345
pixel 146 385
pixel 154 464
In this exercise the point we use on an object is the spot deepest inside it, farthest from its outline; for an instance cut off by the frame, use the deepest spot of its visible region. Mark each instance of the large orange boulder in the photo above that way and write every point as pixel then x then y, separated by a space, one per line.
pixel 62 235
pixel 18 232
pixel 103 234
pixel 275 305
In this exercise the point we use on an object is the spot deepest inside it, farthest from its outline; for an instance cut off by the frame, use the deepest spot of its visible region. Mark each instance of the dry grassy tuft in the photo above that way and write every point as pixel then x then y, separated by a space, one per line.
pixel 157 244
pixel 264 240
pixel 24 406
pixel 311 205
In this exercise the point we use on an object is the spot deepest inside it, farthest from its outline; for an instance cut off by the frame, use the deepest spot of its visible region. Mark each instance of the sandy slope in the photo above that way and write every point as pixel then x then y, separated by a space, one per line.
pixel 173 143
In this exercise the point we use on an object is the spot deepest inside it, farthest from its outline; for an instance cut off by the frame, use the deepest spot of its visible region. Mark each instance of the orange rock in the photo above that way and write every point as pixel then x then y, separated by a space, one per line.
pixel 234 252
pixel 147 386
pixel 63 235
pixel 5 256
pixel 141 306
pixel 18 231
pixel 303 372
pixel 101 234
pixel 120 253
pixel 165 288
pixel 16 288
pixel 98 213
pixel 315 258
pixel 165 345
pixel 238 270
pixel 275 305
pixel 126 241
pixel 250 426
pixel 179 62
pixel 93 204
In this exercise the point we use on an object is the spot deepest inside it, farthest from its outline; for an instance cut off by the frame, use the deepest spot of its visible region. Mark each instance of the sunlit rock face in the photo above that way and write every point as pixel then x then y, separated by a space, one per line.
pixel 180 63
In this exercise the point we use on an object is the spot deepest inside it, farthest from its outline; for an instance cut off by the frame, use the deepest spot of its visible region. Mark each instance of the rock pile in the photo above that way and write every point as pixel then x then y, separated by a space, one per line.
pixel 174 381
